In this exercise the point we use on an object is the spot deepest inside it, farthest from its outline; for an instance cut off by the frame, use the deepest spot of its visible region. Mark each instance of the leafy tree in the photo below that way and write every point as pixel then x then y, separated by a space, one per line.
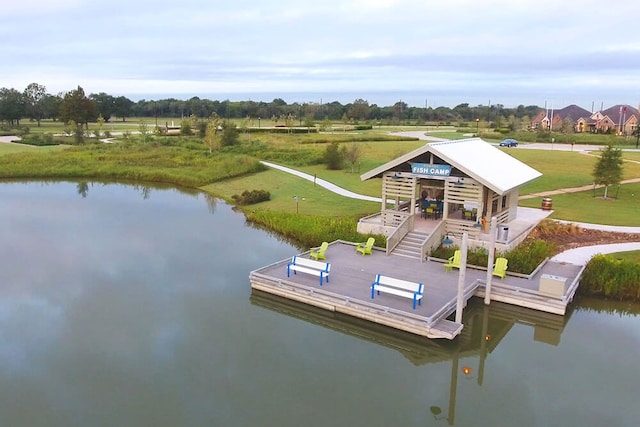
pixel 212 134
pixel 333 156
pixel 230 135
pixel 105 104
pixel 122 107
pixel 34 96
pixel 288 122
pixel 308 123
pixel 359 110
pixel 608 168
pixel 75 129
pixel 12 107
pixel 352 154
pixel 77 107
pixel 185 127
pixel 51 106
pixel 326 125
pixel 144 131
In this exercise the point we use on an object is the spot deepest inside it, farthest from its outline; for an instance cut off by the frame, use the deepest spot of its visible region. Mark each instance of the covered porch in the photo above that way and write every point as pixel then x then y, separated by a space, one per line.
pixel 457 187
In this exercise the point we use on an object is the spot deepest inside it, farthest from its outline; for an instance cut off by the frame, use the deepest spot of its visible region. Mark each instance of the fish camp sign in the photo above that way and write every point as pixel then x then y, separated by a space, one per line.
pixel 430 169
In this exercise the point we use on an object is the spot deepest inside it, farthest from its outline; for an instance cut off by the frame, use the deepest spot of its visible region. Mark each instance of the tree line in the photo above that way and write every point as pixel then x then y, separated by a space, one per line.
pixel 35 104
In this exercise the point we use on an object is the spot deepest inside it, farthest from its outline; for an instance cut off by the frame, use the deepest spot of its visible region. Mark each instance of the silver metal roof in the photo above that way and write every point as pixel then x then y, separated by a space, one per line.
pixel 474 157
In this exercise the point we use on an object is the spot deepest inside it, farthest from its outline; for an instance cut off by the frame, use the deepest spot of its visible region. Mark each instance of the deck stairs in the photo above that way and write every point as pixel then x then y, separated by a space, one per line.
pixel 410 246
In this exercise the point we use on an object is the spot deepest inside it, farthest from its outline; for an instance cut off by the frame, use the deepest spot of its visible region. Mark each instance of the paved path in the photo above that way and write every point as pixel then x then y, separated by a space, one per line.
pixel 323 183
pixel 9 139
pixel 570 190
pixel 578 256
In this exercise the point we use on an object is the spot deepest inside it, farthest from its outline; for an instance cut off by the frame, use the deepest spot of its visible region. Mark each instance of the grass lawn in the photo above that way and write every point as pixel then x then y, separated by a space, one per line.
pixel 632 256
pixel 563 169
pixel 560 169
pixel 312 200
pixel 584 207
pixel 631 155
pixel 17 148
pixel 132 124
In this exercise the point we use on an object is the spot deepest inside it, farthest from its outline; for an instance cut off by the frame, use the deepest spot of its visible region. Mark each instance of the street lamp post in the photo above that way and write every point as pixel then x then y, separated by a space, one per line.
pixel 477 127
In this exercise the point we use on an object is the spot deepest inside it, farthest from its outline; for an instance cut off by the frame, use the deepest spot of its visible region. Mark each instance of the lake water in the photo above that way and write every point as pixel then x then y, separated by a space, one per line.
pixel 131 306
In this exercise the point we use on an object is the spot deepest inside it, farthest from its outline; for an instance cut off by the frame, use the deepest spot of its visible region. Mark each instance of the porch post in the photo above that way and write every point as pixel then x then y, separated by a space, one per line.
pixel 490 259
pixel 461 276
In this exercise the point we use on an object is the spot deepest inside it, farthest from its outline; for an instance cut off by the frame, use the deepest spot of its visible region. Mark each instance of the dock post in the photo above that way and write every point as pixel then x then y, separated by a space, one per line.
pixel 490 260
pixel 461 275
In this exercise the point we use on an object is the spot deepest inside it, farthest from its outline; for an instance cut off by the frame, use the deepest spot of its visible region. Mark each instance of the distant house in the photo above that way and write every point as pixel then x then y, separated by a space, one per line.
pixel 554 119
pixel 621 119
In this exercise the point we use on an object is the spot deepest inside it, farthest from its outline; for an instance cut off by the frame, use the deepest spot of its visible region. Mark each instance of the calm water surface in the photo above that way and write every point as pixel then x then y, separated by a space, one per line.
pixel 130 306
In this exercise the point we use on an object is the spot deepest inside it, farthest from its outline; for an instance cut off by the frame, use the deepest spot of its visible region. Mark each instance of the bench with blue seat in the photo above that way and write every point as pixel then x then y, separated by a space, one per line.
pixel 309 266
pixel 402 288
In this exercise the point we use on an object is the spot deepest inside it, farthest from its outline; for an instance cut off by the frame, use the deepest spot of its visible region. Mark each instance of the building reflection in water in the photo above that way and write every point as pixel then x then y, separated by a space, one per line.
pixel 485 327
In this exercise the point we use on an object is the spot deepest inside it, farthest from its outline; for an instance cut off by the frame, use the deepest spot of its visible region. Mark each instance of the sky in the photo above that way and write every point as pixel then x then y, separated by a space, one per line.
pixel 421 52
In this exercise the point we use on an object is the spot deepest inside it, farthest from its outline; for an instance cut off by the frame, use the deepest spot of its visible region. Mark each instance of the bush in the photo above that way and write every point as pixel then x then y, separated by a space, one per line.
pixel 607 277
pixel 230 135
pixel 252 197
pixel 38 139
pixel 528 255
pixel 523 259
pixel 363 127
pixel 307 231
pixel 333 157
pixel 475 256
pixel 185 128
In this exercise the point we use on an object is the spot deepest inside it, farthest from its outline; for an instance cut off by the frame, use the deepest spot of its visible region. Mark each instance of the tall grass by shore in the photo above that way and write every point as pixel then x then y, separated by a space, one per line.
pixel 175 164
pixel 186 162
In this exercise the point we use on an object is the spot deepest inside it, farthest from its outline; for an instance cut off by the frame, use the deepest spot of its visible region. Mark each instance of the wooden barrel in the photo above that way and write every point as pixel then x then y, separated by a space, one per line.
pixel 547 204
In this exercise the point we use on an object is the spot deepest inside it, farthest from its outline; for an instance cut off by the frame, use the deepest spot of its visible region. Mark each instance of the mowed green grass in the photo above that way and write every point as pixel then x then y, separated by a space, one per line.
pixel 631 256
pixel 563 169
pixel 131 124
pixel 6 148
pixel 560 169
pixel 283 187
pixel 622 207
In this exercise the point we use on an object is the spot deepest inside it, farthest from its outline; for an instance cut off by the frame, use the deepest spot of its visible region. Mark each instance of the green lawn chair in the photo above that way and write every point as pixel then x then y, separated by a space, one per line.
pixel 454 261
pixel 500 267
pixel 365 248
pixel 319 252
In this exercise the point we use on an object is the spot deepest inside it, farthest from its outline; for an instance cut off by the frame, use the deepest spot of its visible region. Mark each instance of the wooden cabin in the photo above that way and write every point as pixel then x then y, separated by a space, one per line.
pixel 448 188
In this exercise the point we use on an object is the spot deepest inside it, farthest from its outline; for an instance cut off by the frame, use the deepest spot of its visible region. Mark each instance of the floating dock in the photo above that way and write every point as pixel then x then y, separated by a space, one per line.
pixel 348 290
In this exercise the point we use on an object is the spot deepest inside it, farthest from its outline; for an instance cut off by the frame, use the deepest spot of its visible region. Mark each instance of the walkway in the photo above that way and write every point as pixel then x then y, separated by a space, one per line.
pixel 578 256
pixel 323 183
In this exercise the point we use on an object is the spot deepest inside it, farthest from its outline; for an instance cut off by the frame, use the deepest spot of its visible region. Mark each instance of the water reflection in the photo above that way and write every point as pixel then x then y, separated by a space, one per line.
pixel 485 328
pixel 116 309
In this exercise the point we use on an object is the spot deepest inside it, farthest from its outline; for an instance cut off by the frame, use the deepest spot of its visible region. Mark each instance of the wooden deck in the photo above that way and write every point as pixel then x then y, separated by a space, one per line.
pixel 349 289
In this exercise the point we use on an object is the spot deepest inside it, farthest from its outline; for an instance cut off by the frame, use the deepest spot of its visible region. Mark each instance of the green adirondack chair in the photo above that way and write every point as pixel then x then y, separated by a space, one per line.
pixel 319 252
pixel 365 248
pixel 500 267
pixel 454 261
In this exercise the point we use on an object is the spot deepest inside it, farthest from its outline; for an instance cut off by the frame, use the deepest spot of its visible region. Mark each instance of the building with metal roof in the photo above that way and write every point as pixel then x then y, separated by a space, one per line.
pixel 460 184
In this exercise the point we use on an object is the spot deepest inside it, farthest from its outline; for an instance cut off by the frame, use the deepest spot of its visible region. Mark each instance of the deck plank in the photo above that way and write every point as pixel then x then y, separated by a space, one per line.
pixel 353 273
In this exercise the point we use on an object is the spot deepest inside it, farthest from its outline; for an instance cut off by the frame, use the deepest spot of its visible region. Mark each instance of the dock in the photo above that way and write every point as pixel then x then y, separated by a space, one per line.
pixel 348 290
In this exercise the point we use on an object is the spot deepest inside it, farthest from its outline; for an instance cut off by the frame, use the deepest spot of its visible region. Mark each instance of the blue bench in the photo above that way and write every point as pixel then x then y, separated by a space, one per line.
pixel 397 287
pixel 309 266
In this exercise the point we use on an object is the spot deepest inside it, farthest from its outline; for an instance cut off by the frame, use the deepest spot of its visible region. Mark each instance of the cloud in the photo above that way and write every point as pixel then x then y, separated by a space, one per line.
pixel 496 46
